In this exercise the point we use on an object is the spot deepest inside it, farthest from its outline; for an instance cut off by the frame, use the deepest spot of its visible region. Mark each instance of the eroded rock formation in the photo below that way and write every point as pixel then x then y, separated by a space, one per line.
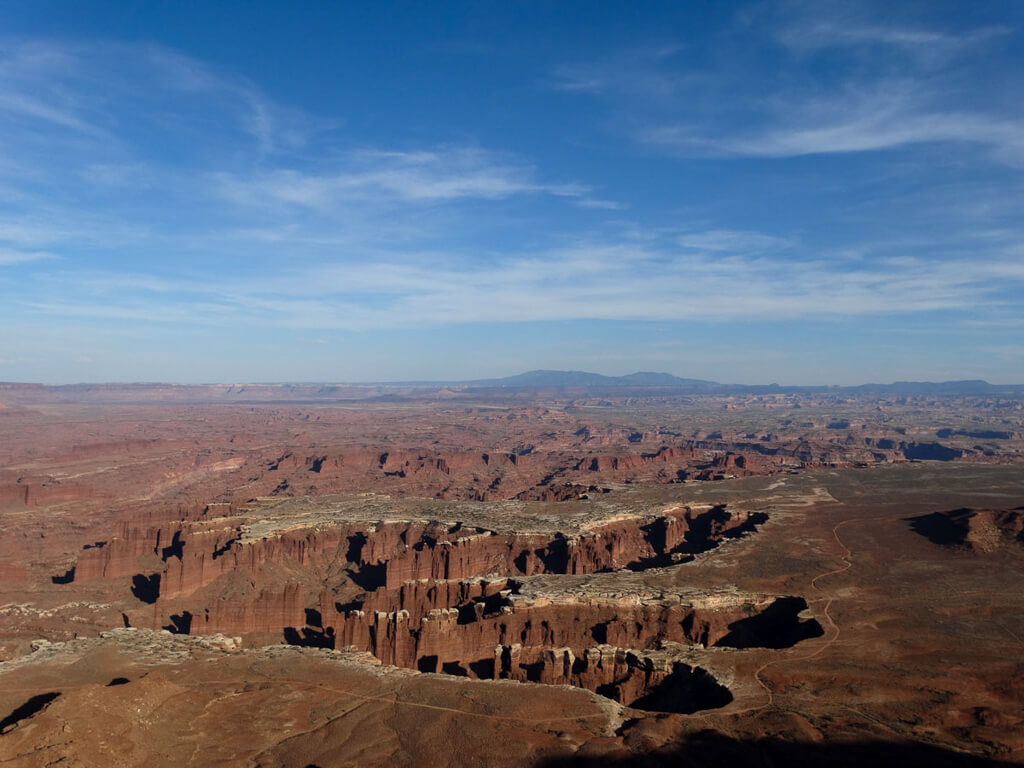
pixel 447 597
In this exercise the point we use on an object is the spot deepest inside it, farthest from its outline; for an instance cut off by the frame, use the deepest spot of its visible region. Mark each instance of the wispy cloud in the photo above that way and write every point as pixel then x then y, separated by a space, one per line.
pixel 171 228
pixel 885 116
pixel 10 257
pixel 435 175
pixel 607 205
pixel 273 126
pixel 879 82
pixel 732 241
pixel 808 27
pixel 82 87
pixel 595 281
pixel 134 146
pixel 820 33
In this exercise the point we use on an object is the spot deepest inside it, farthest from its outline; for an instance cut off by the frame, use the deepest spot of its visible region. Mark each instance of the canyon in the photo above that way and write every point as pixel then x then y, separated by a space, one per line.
pixel 607 578
pixel 439 596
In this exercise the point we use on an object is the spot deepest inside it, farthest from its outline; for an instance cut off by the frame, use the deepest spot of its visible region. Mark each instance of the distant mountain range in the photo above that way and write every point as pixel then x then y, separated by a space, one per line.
pixel 544 379
pixel 567 383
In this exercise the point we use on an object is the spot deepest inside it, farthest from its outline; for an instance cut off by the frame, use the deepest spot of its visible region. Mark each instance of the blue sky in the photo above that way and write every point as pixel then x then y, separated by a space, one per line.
pixel 800 192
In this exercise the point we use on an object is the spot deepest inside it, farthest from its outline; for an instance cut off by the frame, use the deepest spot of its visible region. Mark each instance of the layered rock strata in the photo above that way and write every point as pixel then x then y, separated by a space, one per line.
pixel 459 598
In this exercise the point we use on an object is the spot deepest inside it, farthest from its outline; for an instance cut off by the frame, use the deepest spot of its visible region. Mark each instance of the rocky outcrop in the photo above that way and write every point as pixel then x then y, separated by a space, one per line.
pixel 475 475
pixel 268 613
pixel 666 455
pixel 443 597
pixel 146 541
pixel 120 556
pixel 643 680
pixel 976 530
pixel 519 474
pixel 420 634
pixel 389 554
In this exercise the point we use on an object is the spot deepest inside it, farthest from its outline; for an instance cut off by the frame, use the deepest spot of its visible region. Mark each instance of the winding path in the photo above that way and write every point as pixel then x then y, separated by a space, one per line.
pixel 835 633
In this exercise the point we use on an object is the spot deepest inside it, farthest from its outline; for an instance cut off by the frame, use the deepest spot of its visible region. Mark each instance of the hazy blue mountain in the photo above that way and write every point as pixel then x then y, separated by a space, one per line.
pixel 679 385
pixel 584 379
pixel 966 387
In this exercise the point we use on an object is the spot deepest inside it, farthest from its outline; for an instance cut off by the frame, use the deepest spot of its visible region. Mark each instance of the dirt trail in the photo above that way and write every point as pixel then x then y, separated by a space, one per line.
pixel 829 641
